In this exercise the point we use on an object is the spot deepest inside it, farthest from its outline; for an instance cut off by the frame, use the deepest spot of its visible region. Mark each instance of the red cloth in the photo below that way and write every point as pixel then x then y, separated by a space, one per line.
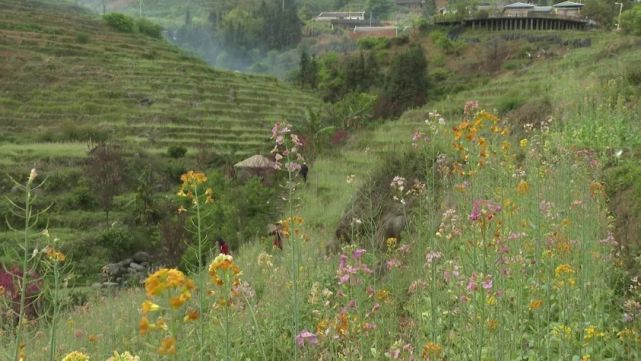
pixel 223 248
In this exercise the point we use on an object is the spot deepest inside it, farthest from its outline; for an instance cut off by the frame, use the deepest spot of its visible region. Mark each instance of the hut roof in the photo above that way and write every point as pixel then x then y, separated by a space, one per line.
pixel 518 5
pixel 567 4
pixel 257 161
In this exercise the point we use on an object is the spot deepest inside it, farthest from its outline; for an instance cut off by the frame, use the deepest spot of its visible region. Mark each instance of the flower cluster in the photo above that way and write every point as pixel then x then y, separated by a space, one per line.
pixel 483 210
pixel 224 273
pixel 346 272
pixel 125 356
pixel 190 189
pixel 287 147
pixel 174 287
pixel 75 356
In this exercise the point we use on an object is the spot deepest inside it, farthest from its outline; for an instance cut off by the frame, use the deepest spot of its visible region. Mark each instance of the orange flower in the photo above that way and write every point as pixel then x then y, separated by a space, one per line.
pixel 191 315
pixel 167 346
pixel 522 187
pixel 144 326
pixel 535 304
pixel 432 351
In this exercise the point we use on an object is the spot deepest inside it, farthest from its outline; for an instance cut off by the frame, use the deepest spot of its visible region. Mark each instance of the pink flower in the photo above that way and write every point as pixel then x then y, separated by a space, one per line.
pixel 393 263
pixel 358 253
pixel 306 337
pixel 485 208
pixel 487 284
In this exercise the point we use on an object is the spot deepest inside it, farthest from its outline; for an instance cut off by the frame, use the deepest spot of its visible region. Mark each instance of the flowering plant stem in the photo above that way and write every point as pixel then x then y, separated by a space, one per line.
pixel 201 278
pixel 56 307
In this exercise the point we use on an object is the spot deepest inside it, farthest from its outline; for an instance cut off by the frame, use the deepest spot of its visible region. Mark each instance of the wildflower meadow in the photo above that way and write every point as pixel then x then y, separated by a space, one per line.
pixel 507 253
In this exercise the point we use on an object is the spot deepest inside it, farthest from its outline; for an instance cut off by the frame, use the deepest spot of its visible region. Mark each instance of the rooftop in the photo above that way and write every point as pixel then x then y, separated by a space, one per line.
pixel 519 5
pixel 567 4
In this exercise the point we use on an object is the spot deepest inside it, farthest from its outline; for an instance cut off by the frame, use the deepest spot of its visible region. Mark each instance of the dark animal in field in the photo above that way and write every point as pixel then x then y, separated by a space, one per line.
pixel 303 172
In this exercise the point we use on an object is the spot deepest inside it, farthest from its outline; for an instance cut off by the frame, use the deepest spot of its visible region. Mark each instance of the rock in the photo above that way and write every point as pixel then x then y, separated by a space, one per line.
pixel 136 267
pixel 141 257
pixel 112 269
pixel 110 284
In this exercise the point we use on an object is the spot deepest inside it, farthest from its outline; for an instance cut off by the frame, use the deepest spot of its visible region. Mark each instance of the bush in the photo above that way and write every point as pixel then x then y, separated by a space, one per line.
pixel 121 22
pixel 375 43
pixel 176 151
pixel 148 28
pixel 509 102
pixel 631 20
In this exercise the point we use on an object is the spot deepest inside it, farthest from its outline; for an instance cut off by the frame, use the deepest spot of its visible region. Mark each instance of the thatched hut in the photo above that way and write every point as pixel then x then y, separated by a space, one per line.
pixel 256 166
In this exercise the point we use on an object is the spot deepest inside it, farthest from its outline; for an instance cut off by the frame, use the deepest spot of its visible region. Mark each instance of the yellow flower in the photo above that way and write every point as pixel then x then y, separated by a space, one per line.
pixel 2 291
pixel 523 144
pixel 585 358
pixel 383 295
pixel 562 270
pixel 54 255
pixel 75 356
pixel 391 243
pixel 562 331
pixel 592 332
pixel 165 279
pixel 432 350
pixel 126 356
pixel 522 187
pixel 92 338
pixel 194 178
pixel 535 304
pixel 492 324
pixel 627 333
pixel 167 346
pixel 149 306
pixel 181 209
pixel 225 263
pixel 209 194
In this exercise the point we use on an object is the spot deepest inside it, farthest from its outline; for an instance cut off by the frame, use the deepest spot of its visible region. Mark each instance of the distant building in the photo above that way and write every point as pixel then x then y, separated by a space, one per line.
pixel 336 15
pixel 540 11
pixel 411 4
pixel 350 24
pixel 568 8
pixel 375 31
pixel 517 9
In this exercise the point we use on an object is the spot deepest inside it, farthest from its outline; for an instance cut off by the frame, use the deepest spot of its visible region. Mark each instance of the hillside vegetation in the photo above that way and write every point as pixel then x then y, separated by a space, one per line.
pixel 496 222
pixel 69 78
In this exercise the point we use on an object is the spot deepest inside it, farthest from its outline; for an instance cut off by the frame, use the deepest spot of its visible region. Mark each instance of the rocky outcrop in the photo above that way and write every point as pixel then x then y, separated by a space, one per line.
pixel 132 270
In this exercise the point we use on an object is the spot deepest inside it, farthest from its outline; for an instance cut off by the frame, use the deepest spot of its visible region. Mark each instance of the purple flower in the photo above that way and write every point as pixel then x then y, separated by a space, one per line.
pixel 306 337
pixel 342 261
pixel 358 253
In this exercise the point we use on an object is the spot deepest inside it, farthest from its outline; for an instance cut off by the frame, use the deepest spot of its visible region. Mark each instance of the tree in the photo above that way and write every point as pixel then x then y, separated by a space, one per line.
pixel 405 85
pixel 304 68
pixel 600 11
pixel 106 172
pixel 379 8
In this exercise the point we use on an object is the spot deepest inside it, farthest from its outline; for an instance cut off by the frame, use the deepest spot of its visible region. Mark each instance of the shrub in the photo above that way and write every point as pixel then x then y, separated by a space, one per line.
pixel 631 20
pixel 176 151
pixel 509 102
pixel 148 28
pixel 375 43
pixel 121 22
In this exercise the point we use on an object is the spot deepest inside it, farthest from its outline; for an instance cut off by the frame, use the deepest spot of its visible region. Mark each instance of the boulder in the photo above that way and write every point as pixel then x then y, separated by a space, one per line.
pixel 142 257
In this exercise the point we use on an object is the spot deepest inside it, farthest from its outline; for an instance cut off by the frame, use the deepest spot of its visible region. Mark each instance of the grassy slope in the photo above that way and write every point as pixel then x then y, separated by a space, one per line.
pixel 51 80
pixel 328 195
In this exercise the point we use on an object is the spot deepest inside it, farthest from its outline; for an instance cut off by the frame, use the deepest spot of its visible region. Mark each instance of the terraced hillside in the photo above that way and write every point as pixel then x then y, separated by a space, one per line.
pixel 67 77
